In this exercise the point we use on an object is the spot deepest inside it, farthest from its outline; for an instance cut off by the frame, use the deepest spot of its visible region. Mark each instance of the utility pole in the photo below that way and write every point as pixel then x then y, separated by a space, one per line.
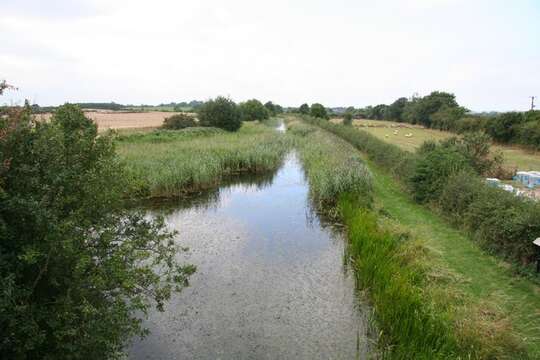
pixel 532 102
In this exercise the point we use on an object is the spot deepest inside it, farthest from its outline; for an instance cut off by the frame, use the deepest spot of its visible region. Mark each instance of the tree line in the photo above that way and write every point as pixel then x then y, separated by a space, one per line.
pixel 440 110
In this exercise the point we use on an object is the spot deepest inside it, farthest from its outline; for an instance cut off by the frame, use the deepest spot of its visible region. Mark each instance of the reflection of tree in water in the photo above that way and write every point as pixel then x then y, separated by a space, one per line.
pixel 208 199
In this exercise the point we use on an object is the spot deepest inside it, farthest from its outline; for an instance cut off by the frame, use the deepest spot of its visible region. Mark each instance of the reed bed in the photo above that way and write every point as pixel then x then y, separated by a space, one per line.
pixel 172 163
pixel 332 165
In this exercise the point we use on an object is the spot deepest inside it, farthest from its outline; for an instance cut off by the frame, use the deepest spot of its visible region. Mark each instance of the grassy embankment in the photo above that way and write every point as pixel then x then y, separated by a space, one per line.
pixel 500 312
pixel 515 157
pixel 419 307
pixel 166 163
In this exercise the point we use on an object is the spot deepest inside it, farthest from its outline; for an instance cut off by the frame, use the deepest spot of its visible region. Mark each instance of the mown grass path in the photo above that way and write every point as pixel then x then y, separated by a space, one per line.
pixel 484 277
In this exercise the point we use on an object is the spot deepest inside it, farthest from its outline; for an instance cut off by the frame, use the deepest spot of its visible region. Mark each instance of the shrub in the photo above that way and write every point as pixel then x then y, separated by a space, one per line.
pixel 318 111
pixel 503 128
pixel 77 269
pixel 470 124
pixel 178 121
pixel 347 119
pixel 220 112
pixel 253 110
pixel 529 134
pixel 304 109
pixel 433 169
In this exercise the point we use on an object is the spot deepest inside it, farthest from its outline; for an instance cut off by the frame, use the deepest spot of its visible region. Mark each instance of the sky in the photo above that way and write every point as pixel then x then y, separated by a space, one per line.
pixel 336 52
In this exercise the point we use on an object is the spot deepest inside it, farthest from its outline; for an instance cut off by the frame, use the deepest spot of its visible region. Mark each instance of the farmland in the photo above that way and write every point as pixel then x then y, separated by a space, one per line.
pixel 122 120
pixel 514 156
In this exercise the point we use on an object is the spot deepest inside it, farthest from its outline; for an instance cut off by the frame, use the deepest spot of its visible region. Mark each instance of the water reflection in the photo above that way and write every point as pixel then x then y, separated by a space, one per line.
pixel 270 282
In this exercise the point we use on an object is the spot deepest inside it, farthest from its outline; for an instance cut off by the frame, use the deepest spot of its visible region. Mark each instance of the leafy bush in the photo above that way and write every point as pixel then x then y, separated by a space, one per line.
pixel 433 169
pixel 220 112
pixel 503 128
pixel 77 270
pixel 179 121
pixel 503 223
pixel 347 119
pixel 318 111
pixel 470 124
pixel 529 134
pixel 274 109
pixel 253 110
pixel 446 117
pixel 304 109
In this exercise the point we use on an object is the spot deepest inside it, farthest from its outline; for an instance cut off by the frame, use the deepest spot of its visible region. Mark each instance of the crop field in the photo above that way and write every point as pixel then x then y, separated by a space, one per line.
pixel 124 120
pixel 395 133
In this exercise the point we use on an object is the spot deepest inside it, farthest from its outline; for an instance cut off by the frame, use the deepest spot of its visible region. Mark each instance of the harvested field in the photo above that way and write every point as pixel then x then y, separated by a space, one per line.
pixel 515 157
pixel 125 120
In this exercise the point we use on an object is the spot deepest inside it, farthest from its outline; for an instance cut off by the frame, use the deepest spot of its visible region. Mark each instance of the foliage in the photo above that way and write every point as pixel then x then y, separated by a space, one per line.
pixel 503 128
pixel 76 269
pixel 378 112
pixel 522 216
pixel 529 134
pixel 332 166
pixel 318 111
pixel 304 109
pixel 253 110
pixel 446 117
pixel 274 109
pixel 220 112
pixel 179 121
pixel 470 124
pixel 503 223
pixel 396 279
pixel 395 110
pixel 347 118
pixel 173 163
pixel 433 169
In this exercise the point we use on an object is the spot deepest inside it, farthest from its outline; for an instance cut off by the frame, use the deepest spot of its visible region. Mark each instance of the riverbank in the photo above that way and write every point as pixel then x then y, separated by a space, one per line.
pixel 488 312
pixel 169 163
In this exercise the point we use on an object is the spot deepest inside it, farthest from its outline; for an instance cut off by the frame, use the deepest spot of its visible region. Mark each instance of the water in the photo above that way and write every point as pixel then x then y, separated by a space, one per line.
pixel 270 284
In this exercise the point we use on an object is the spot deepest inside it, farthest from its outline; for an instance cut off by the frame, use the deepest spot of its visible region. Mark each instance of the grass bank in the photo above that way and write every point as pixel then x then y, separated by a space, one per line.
pixel 423 303
pixel 499 302
pixel 167 163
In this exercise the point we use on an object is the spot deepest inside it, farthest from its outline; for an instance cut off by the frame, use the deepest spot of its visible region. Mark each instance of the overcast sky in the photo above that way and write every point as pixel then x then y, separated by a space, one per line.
pixel 337 52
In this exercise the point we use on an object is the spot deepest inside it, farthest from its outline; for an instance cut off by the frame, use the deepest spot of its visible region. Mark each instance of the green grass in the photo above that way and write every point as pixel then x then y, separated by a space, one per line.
pixel 514 157
pixel 484 278
pixel 333 165
pixel 436 294
pixel 172 163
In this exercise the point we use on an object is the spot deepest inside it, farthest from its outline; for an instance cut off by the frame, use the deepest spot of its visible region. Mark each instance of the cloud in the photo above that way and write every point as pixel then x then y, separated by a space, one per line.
pixel 335 52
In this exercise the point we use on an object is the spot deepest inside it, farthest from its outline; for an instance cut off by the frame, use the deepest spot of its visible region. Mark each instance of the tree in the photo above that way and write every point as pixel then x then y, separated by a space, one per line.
pixel 253 110
pixel 318 111
pixel 430 104
pixel 77 269
pixel 378 111
pixel 395 110
pixel 220 112
pixel 446 117
pixel 304 109
pixel 504 127
pixel 274 109
pixel 347 118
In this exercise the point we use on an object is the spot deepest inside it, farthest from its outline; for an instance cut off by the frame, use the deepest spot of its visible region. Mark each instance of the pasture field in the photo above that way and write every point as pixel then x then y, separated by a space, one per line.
pixel 124 120
pixel 165 163
pixel 514 156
